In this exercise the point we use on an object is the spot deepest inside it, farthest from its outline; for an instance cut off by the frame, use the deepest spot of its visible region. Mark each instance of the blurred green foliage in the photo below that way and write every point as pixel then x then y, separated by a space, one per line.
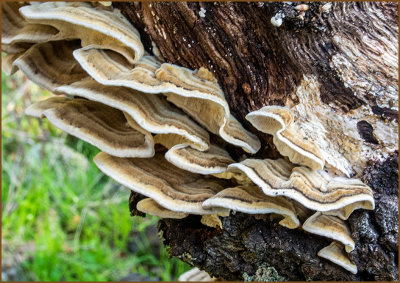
pixel 67 220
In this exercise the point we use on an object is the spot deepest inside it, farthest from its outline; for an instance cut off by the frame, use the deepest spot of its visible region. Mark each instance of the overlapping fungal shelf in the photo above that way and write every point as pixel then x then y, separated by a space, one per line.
pixel 154 121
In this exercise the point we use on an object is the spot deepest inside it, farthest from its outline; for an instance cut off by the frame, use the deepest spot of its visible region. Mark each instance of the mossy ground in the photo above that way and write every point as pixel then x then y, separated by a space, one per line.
pixel 62 219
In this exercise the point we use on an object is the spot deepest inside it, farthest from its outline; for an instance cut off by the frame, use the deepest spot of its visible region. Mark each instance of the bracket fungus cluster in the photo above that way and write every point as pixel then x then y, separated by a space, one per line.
pixel 163 129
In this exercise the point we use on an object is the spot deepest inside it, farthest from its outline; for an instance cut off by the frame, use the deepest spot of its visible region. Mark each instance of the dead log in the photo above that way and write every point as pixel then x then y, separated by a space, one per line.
pixel 349 50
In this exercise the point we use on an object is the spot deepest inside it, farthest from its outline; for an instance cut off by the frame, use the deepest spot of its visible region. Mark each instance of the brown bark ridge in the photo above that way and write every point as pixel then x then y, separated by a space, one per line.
pixel 350 50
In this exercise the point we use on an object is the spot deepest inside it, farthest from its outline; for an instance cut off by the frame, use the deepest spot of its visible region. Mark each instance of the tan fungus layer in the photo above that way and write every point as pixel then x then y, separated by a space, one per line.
pixel 196 92
pixel 151 207
pixel 330 227
pixel 93 26
pixel 316 190
pixel 95 123
pixel 250 199
pixel 336 254
pixel 279 122
pixel 152 112
pixel 171 187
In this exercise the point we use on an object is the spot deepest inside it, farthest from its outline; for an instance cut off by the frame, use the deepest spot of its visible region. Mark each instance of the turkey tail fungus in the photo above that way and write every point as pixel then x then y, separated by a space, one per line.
pixel 258 132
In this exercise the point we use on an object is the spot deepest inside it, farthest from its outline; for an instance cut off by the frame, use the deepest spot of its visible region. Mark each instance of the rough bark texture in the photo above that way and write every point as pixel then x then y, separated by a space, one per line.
pixel 376 232
pixel 259 64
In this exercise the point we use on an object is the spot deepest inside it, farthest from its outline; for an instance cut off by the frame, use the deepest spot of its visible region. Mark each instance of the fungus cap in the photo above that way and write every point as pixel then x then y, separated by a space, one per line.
pixel 279 122
pixel 315 190
pixel 250 199
pixel 93 26
pixel 336 254
pixel 345 212
pixel 331 227
pixel 96 123
pixel 195 275
pixel 151 207
pixel 17 34
pixel 196 92
pixel 211 220
pixel 214 160
pixel 156 178
pixel 152 112
pixel 51 64
pixel 170 140
pixel 7 64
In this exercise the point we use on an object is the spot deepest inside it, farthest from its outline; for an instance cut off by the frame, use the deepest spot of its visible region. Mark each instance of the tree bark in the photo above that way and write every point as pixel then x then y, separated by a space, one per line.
pixel 258 64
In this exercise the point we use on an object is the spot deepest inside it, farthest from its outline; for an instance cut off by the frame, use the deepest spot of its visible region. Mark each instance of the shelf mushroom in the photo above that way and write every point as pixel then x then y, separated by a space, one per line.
pixel 171 187
pixel 196 92
pixel 213 161
pixel 51 64
pixel 151 207
pixel 315 190
pixel 195 275
pixel 331 227
pixel 96 123
pixel 279 122
pixel 17 35
pixel 250 199
pixel 151 111
pixel 93 26
pixel 336 254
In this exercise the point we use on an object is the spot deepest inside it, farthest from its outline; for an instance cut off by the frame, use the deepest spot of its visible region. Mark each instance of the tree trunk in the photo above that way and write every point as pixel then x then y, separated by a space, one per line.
pixel 348 52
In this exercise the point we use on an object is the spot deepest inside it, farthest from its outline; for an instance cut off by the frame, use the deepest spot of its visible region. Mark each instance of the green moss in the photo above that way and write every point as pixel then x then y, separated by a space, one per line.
pixel 62 219
pixel 186 257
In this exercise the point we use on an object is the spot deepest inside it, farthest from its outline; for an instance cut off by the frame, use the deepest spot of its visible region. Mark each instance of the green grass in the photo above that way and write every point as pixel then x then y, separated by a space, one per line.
pixel 56 200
